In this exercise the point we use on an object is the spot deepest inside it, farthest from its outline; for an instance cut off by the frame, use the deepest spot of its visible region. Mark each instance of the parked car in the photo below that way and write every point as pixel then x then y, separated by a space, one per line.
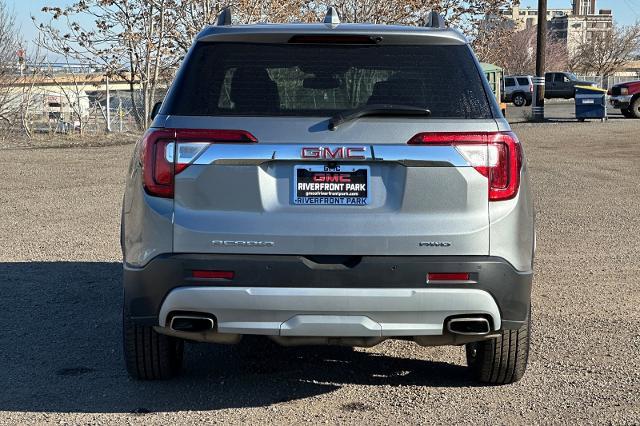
pixel 329 184
pixel 518 89
pixel 626 98
pixel 563 85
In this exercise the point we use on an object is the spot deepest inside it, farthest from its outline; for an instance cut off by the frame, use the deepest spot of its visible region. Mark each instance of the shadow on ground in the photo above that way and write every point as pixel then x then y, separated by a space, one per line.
pixel 61 352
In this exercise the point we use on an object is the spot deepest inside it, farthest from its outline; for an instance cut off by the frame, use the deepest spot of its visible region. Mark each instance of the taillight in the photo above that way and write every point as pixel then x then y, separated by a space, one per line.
pixel 495 155
pixel 167 152
pixel 530 87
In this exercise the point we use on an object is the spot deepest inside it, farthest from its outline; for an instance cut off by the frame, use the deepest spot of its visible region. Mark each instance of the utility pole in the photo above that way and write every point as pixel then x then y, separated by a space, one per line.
pixel 120 113
pixel 108 105
pixel 539 81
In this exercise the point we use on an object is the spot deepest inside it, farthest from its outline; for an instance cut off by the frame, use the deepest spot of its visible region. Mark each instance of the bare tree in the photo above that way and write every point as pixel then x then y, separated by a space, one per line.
pixel 28 94
pixel 465 15
pixel 193 15
pixel 515 51
pixel 607 51
pixel 128 38
pixel 142 41
pixel 10 43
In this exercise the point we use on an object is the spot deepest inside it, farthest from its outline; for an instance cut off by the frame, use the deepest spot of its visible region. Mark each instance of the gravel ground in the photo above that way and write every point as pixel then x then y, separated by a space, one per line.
pixel 60 353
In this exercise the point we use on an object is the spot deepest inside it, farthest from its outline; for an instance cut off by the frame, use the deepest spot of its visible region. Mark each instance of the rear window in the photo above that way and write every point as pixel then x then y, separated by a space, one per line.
pixel 523 81
pixel 318 80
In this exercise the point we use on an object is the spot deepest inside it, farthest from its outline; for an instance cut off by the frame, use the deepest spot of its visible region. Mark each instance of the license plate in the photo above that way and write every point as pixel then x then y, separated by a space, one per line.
pixel 346 185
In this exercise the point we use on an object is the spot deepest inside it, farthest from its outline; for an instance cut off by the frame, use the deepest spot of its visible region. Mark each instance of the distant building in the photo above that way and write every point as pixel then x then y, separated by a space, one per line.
pixel 584 7
pixel 523 18
pixel 577 29
pixel 572 26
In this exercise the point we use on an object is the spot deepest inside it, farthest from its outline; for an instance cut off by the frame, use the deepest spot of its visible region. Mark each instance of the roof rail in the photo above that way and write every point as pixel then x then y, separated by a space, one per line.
pixel 224 18
pixel 332 18
pixel 435 20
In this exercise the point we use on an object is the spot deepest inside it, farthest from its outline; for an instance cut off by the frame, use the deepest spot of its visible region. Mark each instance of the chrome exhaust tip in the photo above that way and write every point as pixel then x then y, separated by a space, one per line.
pixel 472 326
pixel 191 323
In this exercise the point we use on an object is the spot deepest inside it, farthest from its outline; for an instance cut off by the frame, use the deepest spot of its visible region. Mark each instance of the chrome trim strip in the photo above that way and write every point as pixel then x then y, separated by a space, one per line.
pixel 410 156
pixel 420 156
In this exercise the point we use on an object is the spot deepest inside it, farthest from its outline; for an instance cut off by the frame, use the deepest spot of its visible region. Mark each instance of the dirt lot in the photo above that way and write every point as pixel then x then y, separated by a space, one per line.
pixel 60 354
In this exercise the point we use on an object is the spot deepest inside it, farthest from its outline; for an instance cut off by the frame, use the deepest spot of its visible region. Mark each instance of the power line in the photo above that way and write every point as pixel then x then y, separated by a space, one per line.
pixel 631 5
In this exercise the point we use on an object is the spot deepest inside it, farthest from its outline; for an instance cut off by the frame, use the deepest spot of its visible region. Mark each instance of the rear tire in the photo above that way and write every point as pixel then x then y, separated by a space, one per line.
pixel 519 100
pixel 627 113
pixel 635 107
pixel 502 360
pixel 150 355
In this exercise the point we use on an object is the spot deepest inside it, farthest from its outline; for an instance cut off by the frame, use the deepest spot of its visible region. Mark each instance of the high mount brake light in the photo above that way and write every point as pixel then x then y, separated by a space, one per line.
pixel 495 155
pixel 335 39
pixel 166 152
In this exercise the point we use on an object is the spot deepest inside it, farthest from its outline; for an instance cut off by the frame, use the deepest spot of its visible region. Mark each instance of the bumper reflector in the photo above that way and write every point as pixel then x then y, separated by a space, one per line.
pixel 447 276
pixel 224 275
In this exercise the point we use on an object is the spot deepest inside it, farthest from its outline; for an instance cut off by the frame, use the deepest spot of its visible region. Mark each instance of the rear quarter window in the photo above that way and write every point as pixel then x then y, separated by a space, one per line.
pixel 254 79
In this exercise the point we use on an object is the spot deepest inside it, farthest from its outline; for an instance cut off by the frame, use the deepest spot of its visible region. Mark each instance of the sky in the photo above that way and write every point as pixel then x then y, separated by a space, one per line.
pixel 625 12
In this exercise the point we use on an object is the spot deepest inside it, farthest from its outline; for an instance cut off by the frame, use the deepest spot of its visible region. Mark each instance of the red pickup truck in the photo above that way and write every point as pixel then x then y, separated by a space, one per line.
pixel 626 97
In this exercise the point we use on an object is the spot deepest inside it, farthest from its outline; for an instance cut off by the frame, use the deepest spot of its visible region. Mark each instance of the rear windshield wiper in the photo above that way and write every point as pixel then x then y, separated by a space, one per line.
pixel 376 109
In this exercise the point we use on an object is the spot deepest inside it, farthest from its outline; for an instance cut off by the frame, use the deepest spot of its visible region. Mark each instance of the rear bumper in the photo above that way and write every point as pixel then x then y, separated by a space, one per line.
pixel 330 312
pixel 368 295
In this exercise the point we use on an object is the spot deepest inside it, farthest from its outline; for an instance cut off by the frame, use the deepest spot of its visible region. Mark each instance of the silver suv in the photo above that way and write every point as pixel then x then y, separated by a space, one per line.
pixel 329 183
pixel 518 89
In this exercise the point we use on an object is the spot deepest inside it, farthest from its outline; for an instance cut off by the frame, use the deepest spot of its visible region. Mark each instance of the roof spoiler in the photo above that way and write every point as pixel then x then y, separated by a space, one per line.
pixel 435 20
pixel 224 18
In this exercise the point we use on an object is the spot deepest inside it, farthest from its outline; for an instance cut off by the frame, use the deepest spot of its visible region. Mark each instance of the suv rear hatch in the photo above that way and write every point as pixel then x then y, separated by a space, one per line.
pixel 257 169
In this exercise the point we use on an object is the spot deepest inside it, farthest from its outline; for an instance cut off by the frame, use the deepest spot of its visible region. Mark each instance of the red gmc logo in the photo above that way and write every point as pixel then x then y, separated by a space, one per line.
pixel 330 177
pixel 326 153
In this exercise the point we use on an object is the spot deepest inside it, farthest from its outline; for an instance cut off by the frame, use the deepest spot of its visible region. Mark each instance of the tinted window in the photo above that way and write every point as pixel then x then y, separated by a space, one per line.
pixel 523 81
pixel 318 80
pixel 509 82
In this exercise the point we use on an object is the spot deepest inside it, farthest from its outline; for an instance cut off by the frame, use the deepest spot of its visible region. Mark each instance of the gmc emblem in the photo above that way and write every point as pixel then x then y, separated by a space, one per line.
pixel 327 153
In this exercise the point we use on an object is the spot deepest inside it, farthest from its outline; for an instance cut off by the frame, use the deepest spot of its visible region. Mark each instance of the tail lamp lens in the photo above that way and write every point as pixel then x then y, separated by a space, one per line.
pixel 166 152
pixel 495 155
